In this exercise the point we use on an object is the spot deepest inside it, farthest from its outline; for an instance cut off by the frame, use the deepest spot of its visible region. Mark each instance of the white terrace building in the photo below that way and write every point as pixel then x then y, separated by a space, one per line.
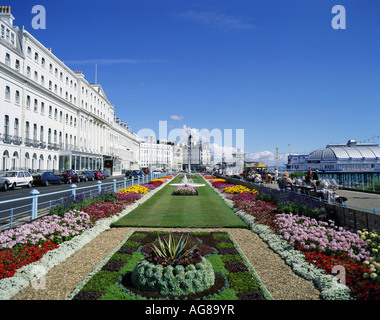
pixel 51 118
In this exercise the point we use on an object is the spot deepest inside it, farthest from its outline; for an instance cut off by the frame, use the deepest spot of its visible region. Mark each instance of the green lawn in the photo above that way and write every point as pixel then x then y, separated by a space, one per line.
pixel 164 210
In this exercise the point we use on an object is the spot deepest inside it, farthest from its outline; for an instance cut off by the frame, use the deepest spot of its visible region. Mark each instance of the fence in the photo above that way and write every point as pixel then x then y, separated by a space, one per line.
pixel 39 205
pixel 344 215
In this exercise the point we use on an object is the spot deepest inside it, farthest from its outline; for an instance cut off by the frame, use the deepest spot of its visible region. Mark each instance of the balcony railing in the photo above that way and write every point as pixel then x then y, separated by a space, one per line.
pixel 28 142
pixel 35 143
pixel 42 144
pixel 17 140
pixel 7 138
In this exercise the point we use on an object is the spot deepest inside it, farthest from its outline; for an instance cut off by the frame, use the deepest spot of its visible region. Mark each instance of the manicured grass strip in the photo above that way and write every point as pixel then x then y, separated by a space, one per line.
pixel 236 280
pixel 207 210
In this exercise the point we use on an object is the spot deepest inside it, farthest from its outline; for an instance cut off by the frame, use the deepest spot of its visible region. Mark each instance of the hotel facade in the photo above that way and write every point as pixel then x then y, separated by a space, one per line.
pixel 51 117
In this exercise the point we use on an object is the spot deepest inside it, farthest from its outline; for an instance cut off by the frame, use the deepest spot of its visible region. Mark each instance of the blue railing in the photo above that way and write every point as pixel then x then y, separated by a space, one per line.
pixel 37 207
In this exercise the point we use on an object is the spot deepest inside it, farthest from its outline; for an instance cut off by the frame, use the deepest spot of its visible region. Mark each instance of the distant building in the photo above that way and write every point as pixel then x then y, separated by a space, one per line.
pixel 349 157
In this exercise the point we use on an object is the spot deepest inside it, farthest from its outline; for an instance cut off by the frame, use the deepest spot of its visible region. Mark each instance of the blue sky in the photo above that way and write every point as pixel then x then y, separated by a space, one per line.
pixel 276 69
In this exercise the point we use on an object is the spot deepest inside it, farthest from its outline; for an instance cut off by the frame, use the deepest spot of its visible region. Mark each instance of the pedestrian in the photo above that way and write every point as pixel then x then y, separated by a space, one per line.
pixel 315 175
pixel 309 173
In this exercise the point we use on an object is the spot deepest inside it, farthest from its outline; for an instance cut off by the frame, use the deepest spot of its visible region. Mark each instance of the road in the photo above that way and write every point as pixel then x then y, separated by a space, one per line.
pixel 22 208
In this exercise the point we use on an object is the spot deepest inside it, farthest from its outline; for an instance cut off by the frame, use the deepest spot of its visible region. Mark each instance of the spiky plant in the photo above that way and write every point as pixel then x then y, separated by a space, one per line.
pixel 171 251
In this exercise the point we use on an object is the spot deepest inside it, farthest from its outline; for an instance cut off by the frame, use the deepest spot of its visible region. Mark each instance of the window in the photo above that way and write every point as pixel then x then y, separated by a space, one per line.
pixel 60 116
pixel 12 39
pixel 7 93
pixel 42 133
pixel 29 52
pixel 50 111
pixel 17 97
pixel 49 136
pixel 27 130
pixel 36 57
pixel 8 59
pixel 50 85
pixel 16 128
pixel 34 132
pixel 28 102
pixel 35 105
pixel 28 72
pixel 35 76
pixel 42 108
pixel 50 68
pixel 2 31
pixel 43 62
pixel 42 80
pixel 6 125
pixel 17 65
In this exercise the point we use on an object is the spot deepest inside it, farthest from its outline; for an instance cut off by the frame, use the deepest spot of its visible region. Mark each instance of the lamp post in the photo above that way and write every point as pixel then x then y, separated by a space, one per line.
pixel 189 153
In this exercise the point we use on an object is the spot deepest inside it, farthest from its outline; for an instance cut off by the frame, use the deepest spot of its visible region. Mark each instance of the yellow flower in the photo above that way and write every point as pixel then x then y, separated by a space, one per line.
pixel 236 189
pixel 135 189
pixel 373 275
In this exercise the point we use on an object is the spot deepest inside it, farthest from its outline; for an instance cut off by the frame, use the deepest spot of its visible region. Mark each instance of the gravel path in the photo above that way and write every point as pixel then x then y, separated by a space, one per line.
pixel 279 279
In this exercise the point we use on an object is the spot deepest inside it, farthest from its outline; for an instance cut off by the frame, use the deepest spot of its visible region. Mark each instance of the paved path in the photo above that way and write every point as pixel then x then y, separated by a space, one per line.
pixel 355 198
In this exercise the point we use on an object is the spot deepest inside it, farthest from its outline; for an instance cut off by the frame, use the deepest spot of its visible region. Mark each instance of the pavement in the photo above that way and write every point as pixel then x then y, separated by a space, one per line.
pixel 357 199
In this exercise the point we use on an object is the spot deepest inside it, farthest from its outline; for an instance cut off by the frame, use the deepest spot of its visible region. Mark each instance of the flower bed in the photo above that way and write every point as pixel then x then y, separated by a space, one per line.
pixel 238 189
pixel 158 181
pixel 134 189
pixel 31 241
pixel 234 277
pixel 185 191
pixel 322 243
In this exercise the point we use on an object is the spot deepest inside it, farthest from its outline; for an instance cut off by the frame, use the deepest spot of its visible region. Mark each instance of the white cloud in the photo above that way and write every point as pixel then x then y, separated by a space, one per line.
pixel 175 117
pixel 217 20
pixel 267 157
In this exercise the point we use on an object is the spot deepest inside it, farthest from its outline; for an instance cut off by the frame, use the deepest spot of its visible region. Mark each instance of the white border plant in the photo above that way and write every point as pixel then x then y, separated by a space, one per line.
pixel 36 270
pixel 328 285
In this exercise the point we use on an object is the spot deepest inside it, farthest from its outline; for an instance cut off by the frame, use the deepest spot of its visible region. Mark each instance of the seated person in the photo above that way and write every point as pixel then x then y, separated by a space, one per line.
pixel 257 179
pixel 286 180
pixel 309 183
pixel 328 194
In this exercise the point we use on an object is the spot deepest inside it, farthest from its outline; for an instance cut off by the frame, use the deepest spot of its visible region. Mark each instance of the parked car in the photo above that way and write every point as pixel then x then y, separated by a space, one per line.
pixel 46 178
pixel 136 173
pixel 106 174
pixel 128 173
pixel 98 175
pixel 69 176
pixel 86 175
pixel 146 170
pixel 13 179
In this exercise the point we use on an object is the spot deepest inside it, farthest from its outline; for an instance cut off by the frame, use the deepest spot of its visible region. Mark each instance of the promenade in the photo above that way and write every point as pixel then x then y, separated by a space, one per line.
pixel 358 199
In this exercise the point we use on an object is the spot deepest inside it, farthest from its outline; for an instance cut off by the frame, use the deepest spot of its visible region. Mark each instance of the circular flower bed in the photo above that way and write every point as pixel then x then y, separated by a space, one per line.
pixel 178 280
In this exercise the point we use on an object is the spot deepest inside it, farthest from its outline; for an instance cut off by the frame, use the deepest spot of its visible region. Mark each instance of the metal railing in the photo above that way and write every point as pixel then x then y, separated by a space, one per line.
pixel 318 199
pixel 39 206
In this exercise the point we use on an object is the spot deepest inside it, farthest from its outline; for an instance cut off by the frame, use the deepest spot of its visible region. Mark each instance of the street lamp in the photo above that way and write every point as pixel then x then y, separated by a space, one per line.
pixel 189 153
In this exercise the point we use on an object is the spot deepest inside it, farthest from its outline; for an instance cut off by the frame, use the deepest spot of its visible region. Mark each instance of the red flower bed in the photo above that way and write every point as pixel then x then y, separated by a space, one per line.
pixel 13 259
pixel 264 212
pixel 362 289
pixel 101 210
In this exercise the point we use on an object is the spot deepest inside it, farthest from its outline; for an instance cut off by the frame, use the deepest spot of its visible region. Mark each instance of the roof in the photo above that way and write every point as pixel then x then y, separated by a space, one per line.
pixel 354 151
